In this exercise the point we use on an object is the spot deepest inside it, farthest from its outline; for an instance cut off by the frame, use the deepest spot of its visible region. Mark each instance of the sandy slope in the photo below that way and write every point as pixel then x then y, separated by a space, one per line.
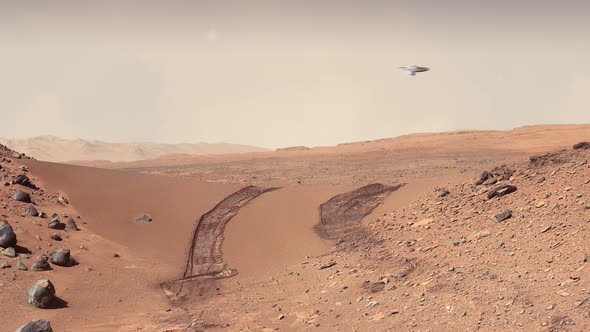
pixel 51 148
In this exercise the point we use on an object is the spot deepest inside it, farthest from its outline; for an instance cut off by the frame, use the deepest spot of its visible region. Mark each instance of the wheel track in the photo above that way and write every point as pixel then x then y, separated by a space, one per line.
pixel 343 212
pixel 205 259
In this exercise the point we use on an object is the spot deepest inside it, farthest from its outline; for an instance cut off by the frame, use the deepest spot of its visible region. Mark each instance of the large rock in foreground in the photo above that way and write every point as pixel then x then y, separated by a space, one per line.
pixel 41 293
pixel 7 235
pixel 41 325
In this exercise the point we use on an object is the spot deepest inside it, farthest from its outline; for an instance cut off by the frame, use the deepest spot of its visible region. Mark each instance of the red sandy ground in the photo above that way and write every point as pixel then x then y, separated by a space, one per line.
pixel 430 284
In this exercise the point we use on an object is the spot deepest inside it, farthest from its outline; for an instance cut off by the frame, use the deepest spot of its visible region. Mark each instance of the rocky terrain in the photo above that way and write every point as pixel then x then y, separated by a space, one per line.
pixel 499 245
pixel 471 256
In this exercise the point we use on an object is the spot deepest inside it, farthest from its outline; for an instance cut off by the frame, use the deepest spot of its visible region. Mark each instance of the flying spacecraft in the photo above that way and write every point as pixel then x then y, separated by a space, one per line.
pixel 413 69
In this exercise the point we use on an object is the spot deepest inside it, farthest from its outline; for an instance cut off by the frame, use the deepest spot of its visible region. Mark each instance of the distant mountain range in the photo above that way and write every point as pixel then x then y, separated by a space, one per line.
pixel 52 148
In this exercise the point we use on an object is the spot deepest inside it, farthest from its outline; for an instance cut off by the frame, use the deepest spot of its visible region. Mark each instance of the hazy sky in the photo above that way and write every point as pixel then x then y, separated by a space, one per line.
pixel 282 73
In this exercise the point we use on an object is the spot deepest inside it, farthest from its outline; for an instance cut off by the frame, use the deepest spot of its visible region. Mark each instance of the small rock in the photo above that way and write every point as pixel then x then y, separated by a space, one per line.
pixel 21 266
pixel 10 252
pixel 115 255
pixel 443 193
pixel 144 218
pixel 281 317
pixel 327 265
pixel 423 222
pixel 478 235
pixel 5 265
pixel 56 237
pixel 40 325
pixel 62 257
pixel 41 293
pixel 55 224
pixel 71 225
pixel 541 204
pixel 459 241
pixel 21 196
pixel 41 264
pixel 501 190
pixel 541 179
pixel 31 211
pixel 507 214
pixel 61 199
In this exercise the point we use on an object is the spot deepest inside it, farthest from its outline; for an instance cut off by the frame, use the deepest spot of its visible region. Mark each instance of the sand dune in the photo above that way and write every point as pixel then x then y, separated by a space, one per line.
pixel 113 200
pixel 51 148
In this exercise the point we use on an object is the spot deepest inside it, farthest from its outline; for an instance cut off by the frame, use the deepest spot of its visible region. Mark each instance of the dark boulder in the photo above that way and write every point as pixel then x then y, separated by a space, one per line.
pixel 40 325
pixel 62 257
pixel 41 264
pixel 7 235
pixel 582 145
pixel 42 293
pixel 507 214
pixel 23 180
pixel 501 190
pixel 21 196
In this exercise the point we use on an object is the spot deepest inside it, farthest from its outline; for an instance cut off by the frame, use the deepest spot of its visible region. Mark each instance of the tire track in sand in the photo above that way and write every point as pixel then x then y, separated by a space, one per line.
pixel 343 212
pixel 205 259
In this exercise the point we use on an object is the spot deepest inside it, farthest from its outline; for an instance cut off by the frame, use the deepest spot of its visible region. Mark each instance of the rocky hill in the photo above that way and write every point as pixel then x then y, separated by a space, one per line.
pixel 51 148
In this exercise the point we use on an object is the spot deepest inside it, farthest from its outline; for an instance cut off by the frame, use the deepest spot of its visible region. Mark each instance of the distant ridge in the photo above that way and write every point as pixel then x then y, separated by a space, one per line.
pixel 56 149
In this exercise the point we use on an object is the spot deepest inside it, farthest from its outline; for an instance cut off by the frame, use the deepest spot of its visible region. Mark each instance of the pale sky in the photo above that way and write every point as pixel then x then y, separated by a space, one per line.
pixel 284 73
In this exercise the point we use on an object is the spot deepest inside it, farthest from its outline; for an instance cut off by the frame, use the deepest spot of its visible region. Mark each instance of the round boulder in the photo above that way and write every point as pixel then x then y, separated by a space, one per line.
pixel 7 235
pixel 41 293
pixel 21 196
pixel 62 257
pixel 41 325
